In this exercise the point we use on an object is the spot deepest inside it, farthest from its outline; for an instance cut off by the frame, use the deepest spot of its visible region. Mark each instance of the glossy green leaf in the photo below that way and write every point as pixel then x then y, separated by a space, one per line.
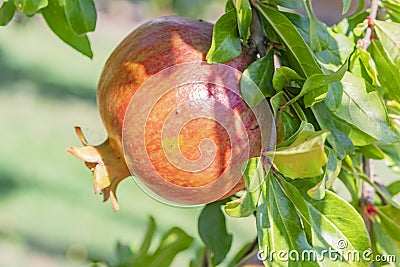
pixel 337 139
pixel 30 7
pixel 225 41
pixel 55 17
pixel 279 227
pixel 390 219
pixel 363 110
pixel 305 157
pixel 7 11
pixel 244 14
pixel 81 15
pixel 332 222
pixel 334 96
pixel 346 6
pixel 316 87
pixel 388 73
pixel 253 175
pixel 360 28
pixel 283 76
pixel 259 73
pixel 335 222
pixel 212 230
pixel 389 35
pixel 172 243
pixel 292 39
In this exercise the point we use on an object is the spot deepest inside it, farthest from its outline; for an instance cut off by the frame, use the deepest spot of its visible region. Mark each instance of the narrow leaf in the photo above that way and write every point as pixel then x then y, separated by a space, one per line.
pixel 390 219
pixel 292 39
pixel 346 6
pixel 244 15
pixel 172 243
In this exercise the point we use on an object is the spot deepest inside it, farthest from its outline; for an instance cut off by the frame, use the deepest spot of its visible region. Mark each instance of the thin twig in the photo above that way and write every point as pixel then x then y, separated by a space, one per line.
pixel 368 195
pixel 366 41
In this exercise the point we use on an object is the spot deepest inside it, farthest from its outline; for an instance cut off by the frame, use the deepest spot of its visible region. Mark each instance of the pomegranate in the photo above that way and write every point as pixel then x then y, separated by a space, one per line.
pixel 151 48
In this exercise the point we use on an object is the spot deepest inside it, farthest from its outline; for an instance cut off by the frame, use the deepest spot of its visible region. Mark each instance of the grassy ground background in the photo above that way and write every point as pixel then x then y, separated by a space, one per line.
pixel 48 209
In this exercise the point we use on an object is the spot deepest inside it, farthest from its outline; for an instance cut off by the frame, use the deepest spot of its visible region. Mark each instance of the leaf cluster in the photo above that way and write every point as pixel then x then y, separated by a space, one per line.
pixel 335 105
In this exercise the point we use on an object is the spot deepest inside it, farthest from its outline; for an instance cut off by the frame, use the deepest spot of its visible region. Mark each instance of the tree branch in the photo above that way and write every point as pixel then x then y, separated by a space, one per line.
pixel 366 41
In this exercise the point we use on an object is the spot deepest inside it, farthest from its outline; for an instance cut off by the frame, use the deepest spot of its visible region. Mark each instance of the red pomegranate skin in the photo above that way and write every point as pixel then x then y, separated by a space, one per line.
pixel 150 48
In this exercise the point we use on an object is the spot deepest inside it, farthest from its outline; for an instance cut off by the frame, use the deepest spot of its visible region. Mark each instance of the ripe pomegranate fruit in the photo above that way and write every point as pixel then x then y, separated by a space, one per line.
pixel 149 49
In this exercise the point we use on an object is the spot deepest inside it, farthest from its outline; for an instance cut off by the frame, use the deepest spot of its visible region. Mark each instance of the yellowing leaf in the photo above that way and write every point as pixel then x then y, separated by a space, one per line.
pixel 305 157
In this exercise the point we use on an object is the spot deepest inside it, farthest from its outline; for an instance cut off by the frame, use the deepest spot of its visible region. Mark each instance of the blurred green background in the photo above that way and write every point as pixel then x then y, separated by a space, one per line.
pixel 49 215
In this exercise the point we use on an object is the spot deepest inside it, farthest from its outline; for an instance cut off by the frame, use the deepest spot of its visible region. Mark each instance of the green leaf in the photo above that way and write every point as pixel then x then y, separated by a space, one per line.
pixel 279 226
pixel 361 65
pixel 394 188
pixel 365 111
pixel 385 195
pixel 7 11
pixel 225 41
pixel 238 256
pixel 305 157
pixel 283 76
pixel 55 17
pixel 212 230
pixel 172 243
pixel 332 222
pixel 244 15
pixel 335 222
pixel 319 36
pixel 390 219
pixel 81 15
pixel 229 6
pixel 372 152
pixel 337 139
pixel 304 126
pixel 30 7
pixel 144 248
pixel 384 245
pixel 253 175
pixel 346 6
pixel 334 96
pixel 331 172
pixel 392 153
pixel 259 73
pixel 389 35
pixel 294 43
pixel 388 73
pixel 293 4
pixel 316 87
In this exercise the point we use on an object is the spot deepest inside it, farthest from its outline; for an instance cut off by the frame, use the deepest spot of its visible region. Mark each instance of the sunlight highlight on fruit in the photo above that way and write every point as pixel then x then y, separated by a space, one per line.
pixel 188 132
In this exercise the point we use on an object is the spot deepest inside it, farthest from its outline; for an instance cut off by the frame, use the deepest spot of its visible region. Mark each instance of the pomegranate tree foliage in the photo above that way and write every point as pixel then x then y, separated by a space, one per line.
pixel 334 92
